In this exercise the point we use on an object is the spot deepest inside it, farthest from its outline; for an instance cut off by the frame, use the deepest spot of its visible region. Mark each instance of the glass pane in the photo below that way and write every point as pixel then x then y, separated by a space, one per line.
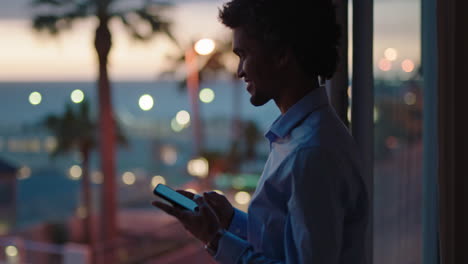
pixel 42 75
pixel 398 133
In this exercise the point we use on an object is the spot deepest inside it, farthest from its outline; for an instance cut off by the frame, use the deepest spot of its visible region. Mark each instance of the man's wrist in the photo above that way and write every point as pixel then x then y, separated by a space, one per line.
pixel 227 224
pixel 212 245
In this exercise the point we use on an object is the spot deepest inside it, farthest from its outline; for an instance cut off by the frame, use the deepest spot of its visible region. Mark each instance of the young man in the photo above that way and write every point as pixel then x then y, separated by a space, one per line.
pixel 310 205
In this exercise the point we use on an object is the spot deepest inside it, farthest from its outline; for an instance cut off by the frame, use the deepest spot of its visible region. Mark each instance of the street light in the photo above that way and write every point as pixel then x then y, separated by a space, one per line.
pixel 202 47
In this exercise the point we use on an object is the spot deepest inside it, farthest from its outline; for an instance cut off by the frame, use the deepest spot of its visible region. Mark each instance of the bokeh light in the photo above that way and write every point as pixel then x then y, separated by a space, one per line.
pixel 219 192
pixel 168 155
pixel 238 183
pixel 176 127
pixel 207 95
pixel 146 102
pixel 376 114
pixel 81 212
pixel 77 96
pixel 205 46
pixel 409 98
pixel 198 167
pixel 385 65
pixel 11 251
pixel 183 117
pixel 242 197
pixel 97 177
pixel 35 98
pixel 191 190
pixel 23 173
pixel 50 144
pixel 3 229
pixel 391 54
pixel 392 142
pixel 75 172
pixel 407 65
pixel 128 178
pixel 157 180
pixel 348 114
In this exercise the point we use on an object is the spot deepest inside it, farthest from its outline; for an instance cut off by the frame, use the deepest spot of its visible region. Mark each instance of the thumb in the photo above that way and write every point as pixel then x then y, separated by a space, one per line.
pixel 213 198
pixel 203 207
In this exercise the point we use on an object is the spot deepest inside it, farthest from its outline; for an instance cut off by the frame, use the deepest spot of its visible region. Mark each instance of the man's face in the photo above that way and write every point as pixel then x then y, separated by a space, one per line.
pixel 257 67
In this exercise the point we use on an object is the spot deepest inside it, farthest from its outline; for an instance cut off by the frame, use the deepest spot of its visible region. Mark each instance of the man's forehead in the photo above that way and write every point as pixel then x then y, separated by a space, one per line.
pixel 240 39
pixel 236 35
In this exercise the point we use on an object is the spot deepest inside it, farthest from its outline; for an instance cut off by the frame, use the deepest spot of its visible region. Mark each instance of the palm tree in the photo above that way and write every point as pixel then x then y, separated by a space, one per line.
pixel 213 65
pixel 210 67
pixel 76 131
pixel 60 15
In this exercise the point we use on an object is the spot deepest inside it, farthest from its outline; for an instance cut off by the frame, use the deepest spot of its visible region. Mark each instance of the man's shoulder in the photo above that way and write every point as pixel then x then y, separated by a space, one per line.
pixel 322 128
pixel 335 149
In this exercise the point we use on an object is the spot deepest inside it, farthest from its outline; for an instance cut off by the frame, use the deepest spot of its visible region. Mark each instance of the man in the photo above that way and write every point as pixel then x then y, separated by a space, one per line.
pixel 310 205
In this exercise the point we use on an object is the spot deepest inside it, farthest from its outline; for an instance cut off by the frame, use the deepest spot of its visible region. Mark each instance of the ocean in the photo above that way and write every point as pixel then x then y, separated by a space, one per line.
pixel 48 194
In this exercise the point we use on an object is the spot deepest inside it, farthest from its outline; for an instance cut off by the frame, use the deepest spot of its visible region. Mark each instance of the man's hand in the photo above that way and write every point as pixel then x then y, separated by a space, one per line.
pixel 203 224
pixel 221 206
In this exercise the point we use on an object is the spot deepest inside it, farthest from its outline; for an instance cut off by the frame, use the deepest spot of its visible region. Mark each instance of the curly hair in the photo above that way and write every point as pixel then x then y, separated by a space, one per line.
pixel 307 27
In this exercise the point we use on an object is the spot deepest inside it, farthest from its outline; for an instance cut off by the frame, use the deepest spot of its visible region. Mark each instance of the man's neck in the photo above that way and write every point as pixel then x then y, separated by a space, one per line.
pixel 295 93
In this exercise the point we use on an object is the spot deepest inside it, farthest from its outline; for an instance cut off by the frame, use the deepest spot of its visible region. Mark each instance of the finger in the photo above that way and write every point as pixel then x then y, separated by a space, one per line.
pixel 206 211
pixel 199 200
pixel 213 198
pixel 203 206
pixel 210 199
pixel 167 208
pixel 186 216
pixel 214 195
pixel 186 194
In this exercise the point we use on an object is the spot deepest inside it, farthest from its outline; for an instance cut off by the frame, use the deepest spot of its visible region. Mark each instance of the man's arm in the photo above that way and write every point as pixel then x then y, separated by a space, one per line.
pixel 232 219
pixel 317 206
pixel 234 250
pixel 314 225
pixel 238 224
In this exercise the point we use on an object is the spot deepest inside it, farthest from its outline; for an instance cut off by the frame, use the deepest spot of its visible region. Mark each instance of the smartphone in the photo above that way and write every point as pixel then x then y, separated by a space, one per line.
pixel 174 197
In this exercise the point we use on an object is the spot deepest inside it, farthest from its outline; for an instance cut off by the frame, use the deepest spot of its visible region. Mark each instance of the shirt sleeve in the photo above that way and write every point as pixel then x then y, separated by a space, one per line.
pixel 238 224
pixel 314 225
pixel 317 206
pixel 234 250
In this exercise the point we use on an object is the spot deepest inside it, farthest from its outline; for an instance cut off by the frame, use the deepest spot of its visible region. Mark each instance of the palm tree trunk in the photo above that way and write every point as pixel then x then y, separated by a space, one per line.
pixel 193 83
pixel 107 137
pixel 87 203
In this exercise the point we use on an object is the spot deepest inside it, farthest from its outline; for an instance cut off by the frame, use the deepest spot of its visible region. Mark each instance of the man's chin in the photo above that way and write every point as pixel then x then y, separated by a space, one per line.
pixel 258 101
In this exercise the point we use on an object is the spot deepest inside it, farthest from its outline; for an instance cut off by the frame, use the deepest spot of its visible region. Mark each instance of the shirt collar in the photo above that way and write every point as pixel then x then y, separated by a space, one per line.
pixel 285 123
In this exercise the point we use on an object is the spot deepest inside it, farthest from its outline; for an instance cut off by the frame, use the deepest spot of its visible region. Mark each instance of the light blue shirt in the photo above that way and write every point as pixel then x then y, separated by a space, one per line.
pixel 310 205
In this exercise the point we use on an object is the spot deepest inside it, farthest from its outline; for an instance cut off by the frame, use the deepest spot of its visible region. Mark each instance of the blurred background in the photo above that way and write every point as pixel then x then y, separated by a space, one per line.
pixel 164 106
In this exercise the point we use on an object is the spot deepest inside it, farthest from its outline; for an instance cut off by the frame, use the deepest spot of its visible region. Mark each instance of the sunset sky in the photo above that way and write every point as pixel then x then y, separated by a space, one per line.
pixel 28 56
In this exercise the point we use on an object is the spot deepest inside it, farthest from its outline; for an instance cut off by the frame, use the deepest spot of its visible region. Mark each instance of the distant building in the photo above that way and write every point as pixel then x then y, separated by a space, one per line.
pixel 7 196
